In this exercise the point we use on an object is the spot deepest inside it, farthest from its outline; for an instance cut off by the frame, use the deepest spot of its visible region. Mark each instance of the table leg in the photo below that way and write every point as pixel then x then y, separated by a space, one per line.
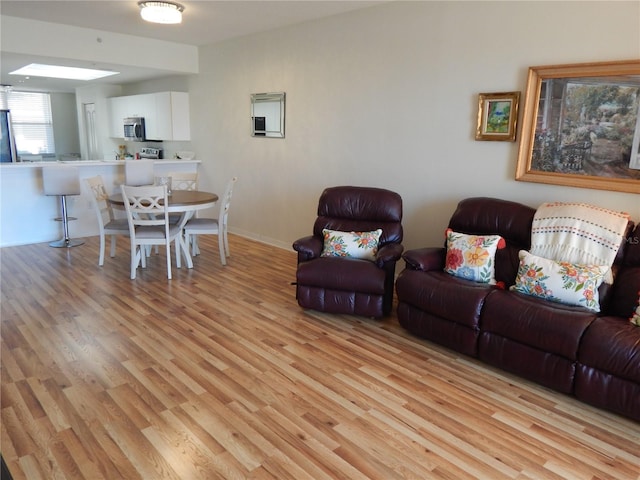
pixel 183 246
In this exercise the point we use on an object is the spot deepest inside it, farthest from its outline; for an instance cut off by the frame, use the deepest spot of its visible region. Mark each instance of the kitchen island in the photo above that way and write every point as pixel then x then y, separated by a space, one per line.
pixel 27 215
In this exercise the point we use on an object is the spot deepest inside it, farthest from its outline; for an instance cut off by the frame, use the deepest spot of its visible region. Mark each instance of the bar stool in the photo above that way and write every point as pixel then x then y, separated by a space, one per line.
pixel 62 180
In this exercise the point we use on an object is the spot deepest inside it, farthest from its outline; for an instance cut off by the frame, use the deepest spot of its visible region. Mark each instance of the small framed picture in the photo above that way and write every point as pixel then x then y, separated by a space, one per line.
pixel 497 116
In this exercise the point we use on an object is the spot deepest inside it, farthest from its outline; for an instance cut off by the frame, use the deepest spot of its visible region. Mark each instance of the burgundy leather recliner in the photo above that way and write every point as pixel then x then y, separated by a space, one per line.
pixel 351 286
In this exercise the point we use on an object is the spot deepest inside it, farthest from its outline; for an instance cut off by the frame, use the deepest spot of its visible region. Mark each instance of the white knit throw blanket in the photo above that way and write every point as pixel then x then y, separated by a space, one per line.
pixel 578 233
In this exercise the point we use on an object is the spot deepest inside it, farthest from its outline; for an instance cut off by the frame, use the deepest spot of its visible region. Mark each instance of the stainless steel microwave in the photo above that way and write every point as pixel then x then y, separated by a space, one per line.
pixel 134 129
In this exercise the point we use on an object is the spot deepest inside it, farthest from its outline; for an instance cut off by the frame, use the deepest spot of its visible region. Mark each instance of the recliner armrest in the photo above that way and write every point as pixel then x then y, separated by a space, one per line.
pixel 392 252
pixel 308 248
pixel 425 259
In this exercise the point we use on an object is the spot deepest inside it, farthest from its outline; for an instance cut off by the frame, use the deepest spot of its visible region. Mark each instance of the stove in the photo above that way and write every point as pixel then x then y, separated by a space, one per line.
pixel 148 152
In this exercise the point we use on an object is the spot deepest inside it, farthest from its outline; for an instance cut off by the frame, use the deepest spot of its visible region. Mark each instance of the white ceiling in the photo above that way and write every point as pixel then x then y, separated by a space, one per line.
pixel 204 22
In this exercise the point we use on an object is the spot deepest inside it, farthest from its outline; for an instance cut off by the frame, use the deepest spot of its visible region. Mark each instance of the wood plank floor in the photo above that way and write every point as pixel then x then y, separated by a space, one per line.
pixel 218 374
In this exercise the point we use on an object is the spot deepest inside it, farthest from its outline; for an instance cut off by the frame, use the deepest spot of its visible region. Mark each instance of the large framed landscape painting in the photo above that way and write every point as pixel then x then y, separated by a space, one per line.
pixel 581 126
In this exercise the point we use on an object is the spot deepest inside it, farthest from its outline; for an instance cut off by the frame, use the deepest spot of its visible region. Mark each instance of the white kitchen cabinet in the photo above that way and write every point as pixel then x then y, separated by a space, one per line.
pixel 171 119
pixel 117 112
pixel 130 106
pixel 166 114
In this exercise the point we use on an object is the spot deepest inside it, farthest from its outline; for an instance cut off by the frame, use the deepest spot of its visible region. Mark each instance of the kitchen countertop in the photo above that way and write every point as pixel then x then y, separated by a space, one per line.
pixel 81 163
pixel 27 214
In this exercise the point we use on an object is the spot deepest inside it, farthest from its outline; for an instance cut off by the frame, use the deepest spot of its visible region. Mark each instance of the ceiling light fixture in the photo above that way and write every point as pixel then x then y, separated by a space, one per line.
pixel 161 12
pixel 58 71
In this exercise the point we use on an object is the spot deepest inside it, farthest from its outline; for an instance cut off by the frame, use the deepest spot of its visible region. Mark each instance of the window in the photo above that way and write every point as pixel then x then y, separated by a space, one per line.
pixel 32 122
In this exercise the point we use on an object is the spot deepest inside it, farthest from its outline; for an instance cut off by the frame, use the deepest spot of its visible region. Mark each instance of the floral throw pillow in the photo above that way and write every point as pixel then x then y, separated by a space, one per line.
pixel 635 318
pixel 562 282
pixel 472 257
pixel 361 245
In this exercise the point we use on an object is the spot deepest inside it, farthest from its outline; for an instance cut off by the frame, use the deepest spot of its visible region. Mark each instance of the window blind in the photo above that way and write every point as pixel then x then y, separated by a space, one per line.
pixel 32 122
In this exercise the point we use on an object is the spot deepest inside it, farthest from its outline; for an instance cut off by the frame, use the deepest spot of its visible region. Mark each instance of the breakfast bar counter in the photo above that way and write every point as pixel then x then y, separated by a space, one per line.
pixel 27 215
pixel 92 163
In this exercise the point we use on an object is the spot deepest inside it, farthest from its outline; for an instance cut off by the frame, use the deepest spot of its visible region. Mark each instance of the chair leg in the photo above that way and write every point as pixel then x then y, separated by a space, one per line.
pixel 113 246
pixel 194 245
pixel 101 256
pixel 169 260
pixel 226 243
pixel 187 242
pixel 143 256
pixel 178 253
pixel 135 251
pixel 223 260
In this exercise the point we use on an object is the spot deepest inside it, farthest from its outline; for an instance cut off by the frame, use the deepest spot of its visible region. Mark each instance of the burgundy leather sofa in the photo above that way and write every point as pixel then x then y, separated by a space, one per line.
pixel 594 356
pixel 351 286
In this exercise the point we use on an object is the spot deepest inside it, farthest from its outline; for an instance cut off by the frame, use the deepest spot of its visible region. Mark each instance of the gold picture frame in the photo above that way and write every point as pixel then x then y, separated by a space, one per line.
pixel 498 116
pixel 581 126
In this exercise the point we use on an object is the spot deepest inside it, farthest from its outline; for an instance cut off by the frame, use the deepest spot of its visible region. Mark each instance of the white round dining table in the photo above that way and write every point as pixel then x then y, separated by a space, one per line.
pixel 186 202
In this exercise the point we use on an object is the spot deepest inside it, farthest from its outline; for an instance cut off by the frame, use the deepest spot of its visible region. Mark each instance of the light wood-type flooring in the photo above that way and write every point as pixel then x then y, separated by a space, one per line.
pixel 219 374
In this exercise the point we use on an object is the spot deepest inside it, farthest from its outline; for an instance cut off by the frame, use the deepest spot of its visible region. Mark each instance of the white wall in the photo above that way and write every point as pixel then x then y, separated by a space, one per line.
pixel 387 96
pixel 65 123
pixel 32 37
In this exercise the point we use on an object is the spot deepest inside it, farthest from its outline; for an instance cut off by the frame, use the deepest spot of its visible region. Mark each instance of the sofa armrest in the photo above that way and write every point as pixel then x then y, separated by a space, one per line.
pixel 425 259
pixel 392 252
pixel 308 248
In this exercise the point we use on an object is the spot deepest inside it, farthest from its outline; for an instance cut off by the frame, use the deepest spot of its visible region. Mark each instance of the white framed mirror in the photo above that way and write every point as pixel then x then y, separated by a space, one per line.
pixel 267 114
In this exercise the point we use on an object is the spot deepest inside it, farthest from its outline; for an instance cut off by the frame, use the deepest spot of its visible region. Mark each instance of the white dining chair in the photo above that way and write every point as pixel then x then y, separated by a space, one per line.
pixel 148 219
pixel 61 181
pixel 212 226
pixel 138 172
pixel 107 221
pixel 184 180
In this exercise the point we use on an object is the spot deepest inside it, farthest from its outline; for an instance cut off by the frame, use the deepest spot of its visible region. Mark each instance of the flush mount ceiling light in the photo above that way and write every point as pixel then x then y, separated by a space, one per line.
pixel 161 12
pixel 58 71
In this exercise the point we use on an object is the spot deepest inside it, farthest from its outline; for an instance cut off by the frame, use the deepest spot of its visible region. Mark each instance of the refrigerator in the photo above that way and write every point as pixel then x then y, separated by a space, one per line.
pixel 7 141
